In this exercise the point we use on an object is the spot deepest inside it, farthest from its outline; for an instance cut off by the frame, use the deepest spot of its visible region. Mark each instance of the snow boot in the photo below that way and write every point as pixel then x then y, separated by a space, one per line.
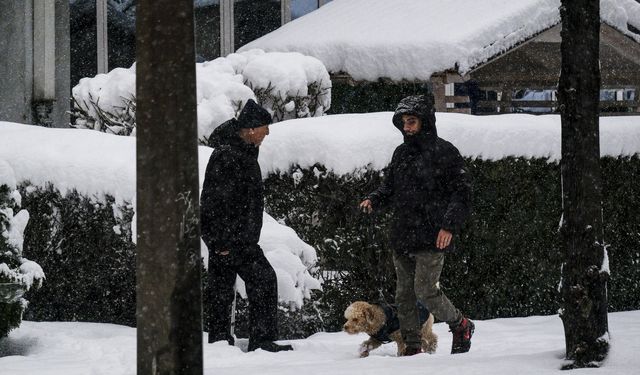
pixel 269 346
pixel 462 336
pixel 221 337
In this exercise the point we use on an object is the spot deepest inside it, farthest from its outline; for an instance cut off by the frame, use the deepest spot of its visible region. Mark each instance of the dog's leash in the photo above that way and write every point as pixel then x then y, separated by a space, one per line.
pixel 369 229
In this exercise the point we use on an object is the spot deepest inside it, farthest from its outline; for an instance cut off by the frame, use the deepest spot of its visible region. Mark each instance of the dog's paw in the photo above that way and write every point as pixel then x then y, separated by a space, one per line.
pixel 364 351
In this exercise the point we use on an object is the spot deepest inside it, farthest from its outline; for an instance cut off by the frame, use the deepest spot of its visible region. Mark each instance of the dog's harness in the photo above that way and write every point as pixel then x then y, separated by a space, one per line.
pixel 392 323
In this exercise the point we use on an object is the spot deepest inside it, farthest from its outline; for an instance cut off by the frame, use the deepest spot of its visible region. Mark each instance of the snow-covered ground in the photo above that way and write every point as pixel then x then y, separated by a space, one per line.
pixel 533 345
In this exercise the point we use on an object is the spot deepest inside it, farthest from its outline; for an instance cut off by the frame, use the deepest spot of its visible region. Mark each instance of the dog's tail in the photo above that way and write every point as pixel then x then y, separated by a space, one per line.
pixel 429 338
pixel 429 322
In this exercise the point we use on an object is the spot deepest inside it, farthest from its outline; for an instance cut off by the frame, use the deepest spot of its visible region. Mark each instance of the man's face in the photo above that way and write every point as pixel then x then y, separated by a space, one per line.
pixel 259 134
pixel 411 124
pixel 255 136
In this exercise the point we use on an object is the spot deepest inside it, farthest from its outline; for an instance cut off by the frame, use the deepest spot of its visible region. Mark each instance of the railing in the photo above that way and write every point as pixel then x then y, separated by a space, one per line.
pixel 610 107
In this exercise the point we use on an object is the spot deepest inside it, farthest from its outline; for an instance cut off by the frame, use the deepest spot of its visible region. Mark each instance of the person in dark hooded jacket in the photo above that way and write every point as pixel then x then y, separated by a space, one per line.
pixel 428 190
pixel 231 221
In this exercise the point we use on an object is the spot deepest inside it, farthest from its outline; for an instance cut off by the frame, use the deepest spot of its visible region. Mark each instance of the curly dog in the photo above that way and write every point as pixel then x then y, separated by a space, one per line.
pixel 381 323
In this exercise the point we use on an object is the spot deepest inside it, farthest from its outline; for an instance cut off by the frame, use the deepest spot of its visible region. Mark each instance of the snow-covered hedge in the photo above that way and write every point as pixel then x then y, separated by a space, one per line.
pixel 316 170
pixel 79 187
pixel 509 258
pixel 17 274
pixel 288 85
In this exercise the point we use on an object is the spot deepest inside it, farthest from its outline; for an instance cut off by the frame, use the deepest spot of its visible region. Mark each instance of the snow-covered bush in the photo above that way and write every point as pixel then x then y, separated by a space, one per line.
pixel 288 85
pixel 78 186
pixel 17 274
pixel 316 171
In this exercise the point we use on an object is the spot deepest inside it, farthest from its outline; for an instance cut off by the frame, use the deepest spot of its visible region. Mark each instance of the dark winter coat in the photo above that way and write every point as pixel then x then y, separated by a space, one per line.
pixel 392 322
pixel 232 198
pixel 426 185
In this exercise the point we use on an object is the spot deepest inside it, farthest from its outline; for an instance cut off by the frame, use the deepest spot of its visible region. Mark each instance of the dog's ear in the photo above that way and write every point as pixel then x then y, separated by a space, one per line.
pixel 368 313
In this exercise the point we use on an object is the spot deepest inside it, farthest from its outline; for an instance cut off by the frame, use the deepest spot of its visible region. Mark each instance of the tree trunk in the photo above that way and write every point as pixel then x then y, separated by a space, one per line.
pixel 585 267
pixel 169 297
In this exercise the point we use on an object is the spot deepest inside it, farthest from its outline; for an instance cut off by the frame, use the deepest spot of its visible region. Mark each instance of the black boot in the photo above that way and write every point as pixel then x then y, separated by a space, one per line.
pixel 269 346
pixel 213 337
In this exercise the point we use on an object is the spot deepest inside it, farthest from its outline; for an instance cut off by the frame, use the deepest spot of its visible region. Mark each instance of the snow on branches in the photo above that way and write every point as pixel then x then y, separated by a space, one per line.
pixel 288 85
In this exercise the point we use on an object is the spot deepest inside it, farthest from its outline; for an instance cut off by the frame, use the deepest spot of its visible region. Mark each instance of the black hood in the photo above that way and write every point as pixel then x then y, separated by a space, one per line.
pixel 421 106
pixel 225 134
pixel 251 116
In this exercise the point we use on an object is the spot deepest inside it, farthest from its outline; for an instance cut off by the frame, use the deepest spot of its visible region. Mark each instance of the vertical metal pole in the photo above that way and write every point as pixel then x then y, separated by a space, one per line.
pixel 102 36
pixel 169 296
pixel 285 10
pixel 44 50
pixel 226 27
pixel 44 61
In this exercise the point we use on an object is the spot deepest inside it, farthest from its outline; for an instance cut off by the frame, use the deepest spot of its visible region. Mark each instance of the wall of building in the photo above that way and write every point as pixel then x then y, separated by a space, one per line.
pixel 16 63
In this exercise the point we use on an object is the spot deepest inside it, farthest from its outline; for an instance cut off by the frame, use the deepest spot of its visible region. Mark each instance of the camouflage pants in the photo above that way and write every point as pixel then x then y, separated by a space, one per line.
pixel 418 278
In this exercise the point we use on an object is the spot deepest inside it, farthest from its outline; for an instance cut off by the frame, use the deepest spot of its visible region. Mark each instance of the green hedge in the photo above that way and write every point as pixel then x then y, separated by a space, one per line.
pixel 508 263
pixel 84 246
pixel 365 97
pixel 90 265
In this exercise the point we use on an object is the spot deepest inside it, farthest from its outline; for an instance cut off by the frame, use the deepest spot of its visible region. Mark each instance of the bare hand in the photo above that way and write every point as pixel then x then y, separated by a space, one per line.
pixel 444 239
pixel 222 252
pixel 366 207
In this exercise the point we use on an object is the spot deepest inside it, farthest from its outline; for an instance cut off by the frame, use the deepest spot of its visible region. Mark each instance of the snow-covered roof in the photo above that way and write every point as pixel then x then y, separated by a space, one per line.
pixel 412 39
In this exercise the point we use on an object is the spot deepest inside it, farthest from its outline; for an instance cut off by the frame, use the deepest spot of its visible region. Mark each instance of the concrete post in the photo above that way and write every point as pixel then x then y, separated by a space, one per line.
pixel 102 41
pixel 227 30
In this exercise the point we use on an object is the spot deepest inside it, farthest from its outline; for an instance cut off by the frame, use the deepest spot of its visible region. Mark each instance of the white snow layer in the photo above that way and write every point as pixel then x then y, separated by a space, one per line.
pixel 7 177
pixel 523 346
pixel 223 85
pixel 412 39
pixel 95 163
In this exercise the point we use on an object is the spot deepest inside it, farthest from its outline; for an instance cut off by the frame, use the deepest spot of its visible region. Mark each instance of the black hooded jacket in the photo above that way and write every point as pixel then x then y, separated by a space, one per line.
pixel 231 202
pixel 426 185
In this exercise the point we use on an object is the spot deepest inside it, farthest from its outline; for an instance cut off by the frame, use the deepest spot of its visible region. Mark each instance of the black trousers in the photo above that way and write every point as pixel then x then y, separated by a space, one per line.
pixel 262 291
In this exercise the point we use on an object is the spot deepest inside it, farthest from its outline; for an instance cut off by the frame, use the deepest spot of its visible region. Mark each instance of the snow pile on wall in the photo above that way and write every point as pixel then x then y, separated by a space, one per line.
pixel 96 164
pixel 348 143
pixel 288 85
pixel 412 39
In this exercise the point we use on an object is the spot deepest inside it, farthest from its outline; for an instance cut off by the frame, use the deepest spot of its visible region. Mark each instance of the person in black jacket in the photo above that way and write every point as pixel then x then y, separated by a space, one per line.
pixel 231 220
pixel 428 190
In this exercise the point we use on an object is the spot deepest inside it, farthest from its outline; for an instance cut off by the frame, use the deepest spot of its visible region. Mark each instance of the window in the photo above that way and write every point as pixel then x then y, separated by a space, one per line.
pixel 301 7
pixel 207 28
pixel 255 18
